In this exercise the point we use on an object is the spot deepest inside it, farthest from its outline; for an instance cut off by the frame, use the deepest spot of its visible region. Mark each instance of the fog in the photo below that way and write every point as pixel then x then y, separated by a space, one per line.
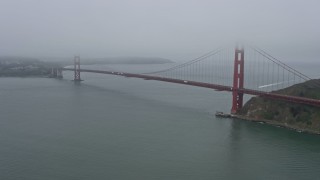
pixel 173 29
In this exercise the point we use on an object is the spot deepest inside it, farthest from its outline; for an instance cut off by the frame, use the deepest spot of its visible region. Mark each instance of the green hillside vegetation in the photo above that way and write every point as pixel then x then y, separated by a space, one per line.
pixel 297 116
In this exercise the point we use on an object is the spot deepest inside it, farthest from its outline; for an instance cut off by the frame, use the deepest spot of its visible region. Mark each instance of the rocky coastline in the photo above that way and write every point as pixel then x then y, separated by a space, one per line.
pixel 298 117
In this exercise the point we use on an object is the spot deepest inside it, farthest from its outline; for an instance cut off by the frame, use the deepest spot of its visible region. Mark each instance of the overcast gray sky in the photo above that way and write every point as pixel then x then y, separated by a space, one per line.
pixel 175 29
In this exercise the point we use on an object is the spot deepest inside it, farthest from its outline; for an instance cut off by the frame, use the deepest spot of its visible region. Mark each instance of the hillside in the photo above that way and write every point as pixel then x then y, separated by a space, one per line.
pixel 22 67
pixel 286 114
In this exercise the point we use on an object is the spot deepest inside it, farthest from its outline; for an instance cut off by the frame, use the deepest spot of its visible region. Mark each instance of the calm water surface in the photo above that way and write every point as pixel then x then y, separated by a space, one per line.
pixel 118 128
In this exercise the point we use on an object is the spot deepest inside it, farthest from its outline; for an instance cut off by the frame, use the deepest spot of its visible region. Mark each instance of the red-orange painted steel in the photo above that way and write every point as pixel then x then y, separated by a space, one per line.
pixel 238 80
pixel 295 99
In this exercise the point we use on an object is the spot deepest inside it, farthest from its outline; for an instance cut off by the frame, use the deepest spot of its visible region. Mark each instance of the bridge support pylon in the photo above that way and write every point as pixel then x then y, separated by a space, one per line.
pixel 53 73
pixel 59 73
pixel 56 73
pixel 77 68
pixel 238 80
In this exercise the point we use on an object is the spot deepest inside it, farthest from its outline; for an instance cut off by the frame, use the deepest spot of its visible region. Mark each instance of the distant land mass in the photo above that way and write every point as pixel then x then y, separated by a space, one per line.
pixel 303 118
pixel 11 66
pixel 126 60
pixel 111 60
pixel 23 67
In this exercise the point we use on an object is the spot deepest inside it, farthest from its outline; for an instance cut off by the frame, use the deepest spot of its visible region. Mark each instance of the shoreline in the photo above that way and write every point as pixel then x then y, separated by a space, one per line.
pixel 277 124
pixel 27 76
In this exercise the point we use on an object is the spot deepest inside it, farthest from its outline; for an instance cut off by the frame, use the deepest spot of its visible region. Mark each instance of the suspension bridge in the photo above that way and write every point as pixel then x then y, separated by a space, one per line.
pixel 252 71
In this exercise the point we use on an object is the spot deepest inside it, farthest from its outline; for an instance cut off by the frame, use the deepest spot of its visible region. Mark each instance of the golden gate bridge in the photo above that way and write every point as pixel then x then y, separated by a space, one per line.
pixel 237 70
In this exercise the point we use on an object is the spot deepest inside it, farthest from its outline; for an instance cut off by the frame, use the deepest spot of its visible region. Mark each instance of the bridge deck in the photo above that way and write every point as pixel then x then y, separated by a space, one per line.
pixel 271 95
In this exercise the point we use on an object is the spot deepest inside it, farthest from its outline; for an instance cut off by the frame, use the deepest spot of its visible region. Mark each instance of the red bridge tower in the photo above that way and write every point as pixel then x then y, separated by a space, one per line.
pixel 238 80
pixel 77 68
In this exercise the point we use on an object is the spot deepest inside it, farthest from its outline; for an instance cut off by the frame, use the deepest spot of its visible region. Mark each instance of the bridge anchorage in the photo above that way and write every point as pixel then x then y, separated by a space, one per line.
pixel 225 70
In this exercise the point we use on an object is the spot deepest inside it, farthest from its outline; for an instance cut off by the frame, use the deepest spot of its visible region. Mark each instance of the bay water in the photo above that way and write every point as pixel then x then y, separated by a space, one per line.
pixel 110 127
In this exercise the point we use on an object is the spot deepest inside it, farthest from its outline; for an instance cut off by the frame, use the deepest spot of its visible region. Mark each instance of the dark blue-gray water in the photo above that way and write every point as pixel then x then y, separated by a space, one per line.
pixel 110 127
